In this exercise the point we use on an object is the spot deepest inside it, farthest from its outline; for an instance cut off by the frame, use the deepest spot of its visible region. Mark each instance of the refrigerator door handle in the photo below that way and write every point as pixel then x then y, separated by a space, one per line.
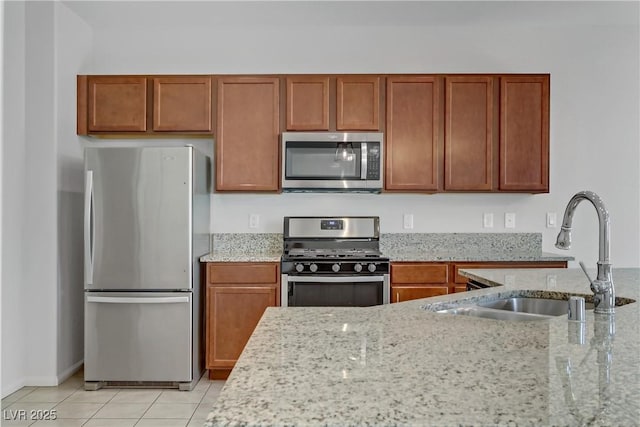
pixel 89 228
pixel 138 300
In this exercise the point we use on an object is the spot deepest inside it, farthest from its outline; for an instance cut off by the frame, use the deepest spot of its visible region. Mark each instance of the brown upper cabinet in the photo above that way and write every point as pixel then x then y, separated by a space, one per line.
pixel 524 133
pixel 471 133
pixel 329 103
pixel 413 148
pixel 358 102
pixel 182 104
pixel 308 103
pixel 115 104
pixel 495 132
pixel 443 133
pixel 140 104
pixel 247 134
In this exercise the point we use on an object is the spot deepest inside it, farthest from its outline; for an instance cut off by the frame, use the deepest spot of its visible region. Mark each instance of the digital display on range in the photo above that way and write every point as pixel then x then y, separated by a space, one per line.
pixel 331 224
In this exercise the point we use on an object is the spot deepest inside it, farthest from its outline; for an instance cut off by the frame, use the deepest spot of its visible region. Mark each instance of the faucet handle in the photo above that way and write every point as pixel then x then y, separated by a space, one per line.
pixel 584 269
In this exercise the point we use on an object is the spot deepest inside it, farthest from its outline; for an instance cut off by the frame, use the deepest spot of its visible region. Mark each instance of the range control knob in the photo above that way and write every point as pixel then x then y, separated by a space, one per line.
pixel 371 267
pixel 357 268
pixel 299 268
pixel 313 268
pixel 335 268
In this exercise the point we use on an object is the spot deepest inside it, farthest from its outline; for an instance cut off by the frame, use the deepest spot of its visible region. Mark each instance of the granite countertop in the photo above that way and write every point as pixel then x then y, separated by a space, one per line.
pixel 245 247
pixel 241 256
pixel 473 255
pixel 399 247
pixel 406 365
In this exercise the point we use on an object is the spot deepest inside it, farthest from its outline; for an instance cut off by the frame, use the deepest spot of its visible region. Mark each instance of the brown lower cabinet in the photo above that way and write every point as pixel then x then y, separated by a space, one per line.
pixel 237 296
pixel 414 280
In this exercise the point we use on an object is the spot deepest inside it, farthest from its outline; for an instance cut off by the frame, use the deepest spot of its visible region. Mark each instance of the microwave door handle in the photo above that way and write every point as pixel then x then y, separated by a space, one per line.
pixel 364 157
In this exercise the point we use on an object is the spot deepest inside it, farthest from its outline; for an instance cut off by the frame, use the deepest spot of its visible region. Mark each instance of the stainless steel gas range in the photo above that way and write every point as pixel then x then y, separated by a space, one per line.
pixel 333 261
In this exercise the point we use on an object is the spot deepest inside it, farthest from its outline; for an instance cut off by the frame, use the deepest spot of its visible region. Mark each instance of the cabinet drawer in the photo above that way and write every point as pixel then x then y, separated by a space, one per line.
pixel 240 272
pixel 462 279
pixel 407 293
pixel 419 273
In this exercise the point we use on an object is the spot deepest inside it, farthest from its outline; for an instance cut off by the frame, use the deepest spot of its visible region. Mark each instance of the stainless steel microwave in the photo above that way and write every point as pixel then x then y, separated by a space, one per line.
pixel 332 161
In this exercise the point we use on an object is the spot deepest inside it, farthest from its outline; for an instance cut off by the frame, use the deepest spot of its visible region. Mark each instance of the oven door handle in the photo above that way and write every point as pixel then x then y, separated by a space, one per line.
pixel 336 279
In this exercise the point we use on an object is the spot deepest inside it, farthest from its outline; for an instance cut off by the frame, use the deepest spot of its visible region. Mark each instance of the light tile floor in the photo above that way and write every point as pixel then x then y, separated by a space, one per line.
pixel 75 407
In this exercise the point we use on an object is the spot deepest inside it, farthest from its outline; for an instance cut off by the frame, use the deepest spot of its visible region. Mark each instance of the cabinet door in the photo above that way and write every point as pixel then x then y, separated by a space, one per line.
pixel 406 293
pixel 232 314
pixel 307 103
pixel 117 103
pixel 182 104
pixel 358 103
pixel 247 157
pixel 524 133
pixel 470 146
pixel 413 134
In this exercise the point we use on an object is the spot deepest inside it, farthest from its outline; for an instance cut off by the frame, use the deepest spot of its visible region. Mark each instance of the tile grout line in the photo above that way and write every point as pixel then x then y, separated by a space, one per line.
pixel 147 410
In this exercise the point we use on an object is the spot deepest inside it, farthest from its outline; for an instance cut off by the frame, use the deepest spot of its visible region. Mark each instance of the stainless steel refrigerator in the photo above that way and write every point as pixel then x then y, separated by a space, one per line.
pixel 146 223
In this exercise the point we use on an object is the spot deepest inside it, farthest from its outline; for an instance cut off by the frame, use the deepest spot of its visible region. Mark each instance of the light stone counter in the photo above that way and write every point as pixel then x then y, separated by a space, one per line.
pixel 399 247
pixel 245 247
pixel 467 255
pixel 406 365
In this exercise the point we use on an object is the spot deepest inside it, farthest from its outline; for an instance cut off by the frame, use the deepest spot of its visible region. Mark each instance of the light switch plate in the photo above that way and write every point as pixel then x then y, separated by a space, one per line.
pixel 407 221
pixel 509 220
pixel 487 220
pixel 254 220
pixel 552 220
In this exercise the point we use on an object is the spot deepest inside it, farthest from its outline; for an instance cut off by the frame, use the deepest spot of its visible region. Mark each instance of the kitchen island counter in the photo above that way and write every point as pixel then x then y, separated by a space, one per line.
pixel 404 364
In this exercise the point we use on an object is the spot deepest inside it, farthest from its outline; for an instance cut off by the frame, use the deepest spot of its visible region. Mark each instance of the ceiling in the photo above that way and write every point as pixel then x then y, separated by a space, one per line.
pixel 158 14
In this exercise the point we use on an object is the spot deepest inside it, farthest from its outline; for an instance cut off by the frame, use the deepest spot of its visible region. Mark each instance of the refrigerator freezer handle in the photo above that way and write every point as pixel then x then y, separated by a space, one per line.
pixel 89 228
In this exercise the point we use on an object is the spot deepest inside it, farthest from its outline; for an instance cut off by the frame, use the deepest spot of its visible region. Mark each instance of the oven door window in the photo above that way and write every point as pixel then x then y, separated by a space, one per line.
pixel 323 160
pixel 341 294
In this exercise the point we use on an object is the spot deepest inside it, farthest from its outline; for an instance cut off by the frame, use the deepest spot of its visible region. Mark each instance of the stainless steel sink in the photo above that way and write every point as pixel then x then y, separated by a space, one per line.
pixel 490 313
pixel 542 306
pixel 515 308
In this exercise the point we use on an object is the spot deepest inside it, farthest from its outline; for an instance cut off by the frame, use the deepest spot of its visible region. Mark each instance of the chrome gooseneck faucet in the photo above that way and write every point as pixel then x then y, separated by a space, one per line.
pixel 602 286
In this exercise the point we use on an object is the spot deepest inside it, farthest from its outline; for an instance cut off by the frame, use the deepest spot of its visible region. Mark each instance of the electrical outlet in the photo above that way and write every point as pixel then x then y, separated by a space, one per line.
pixel 552 220
pixel 254 220
pixel 509 220
pixel 509 279
pixel 487 220
pixel 551 281
pixel 407 221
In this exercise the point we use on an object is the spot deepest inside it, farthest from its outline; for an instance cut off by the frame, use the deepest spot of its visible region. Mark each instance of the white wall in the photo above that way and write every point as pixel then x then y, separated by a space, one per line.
pixel 73 42
pixel 40 214
pixel 42 308
pixel 594 107
pixel 13 198
pixel 1 163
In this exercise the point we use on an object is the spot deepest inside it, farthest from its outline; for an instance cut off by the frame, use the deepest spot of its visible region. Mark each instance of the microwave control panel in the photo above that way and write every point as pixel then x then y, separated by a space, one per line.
pixel 373 161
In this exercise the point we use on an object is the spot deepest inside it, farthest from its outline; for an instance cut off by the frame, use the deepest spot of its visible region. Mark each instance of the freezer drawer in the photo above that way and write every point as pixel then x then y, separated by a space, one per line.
pixel 138 336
